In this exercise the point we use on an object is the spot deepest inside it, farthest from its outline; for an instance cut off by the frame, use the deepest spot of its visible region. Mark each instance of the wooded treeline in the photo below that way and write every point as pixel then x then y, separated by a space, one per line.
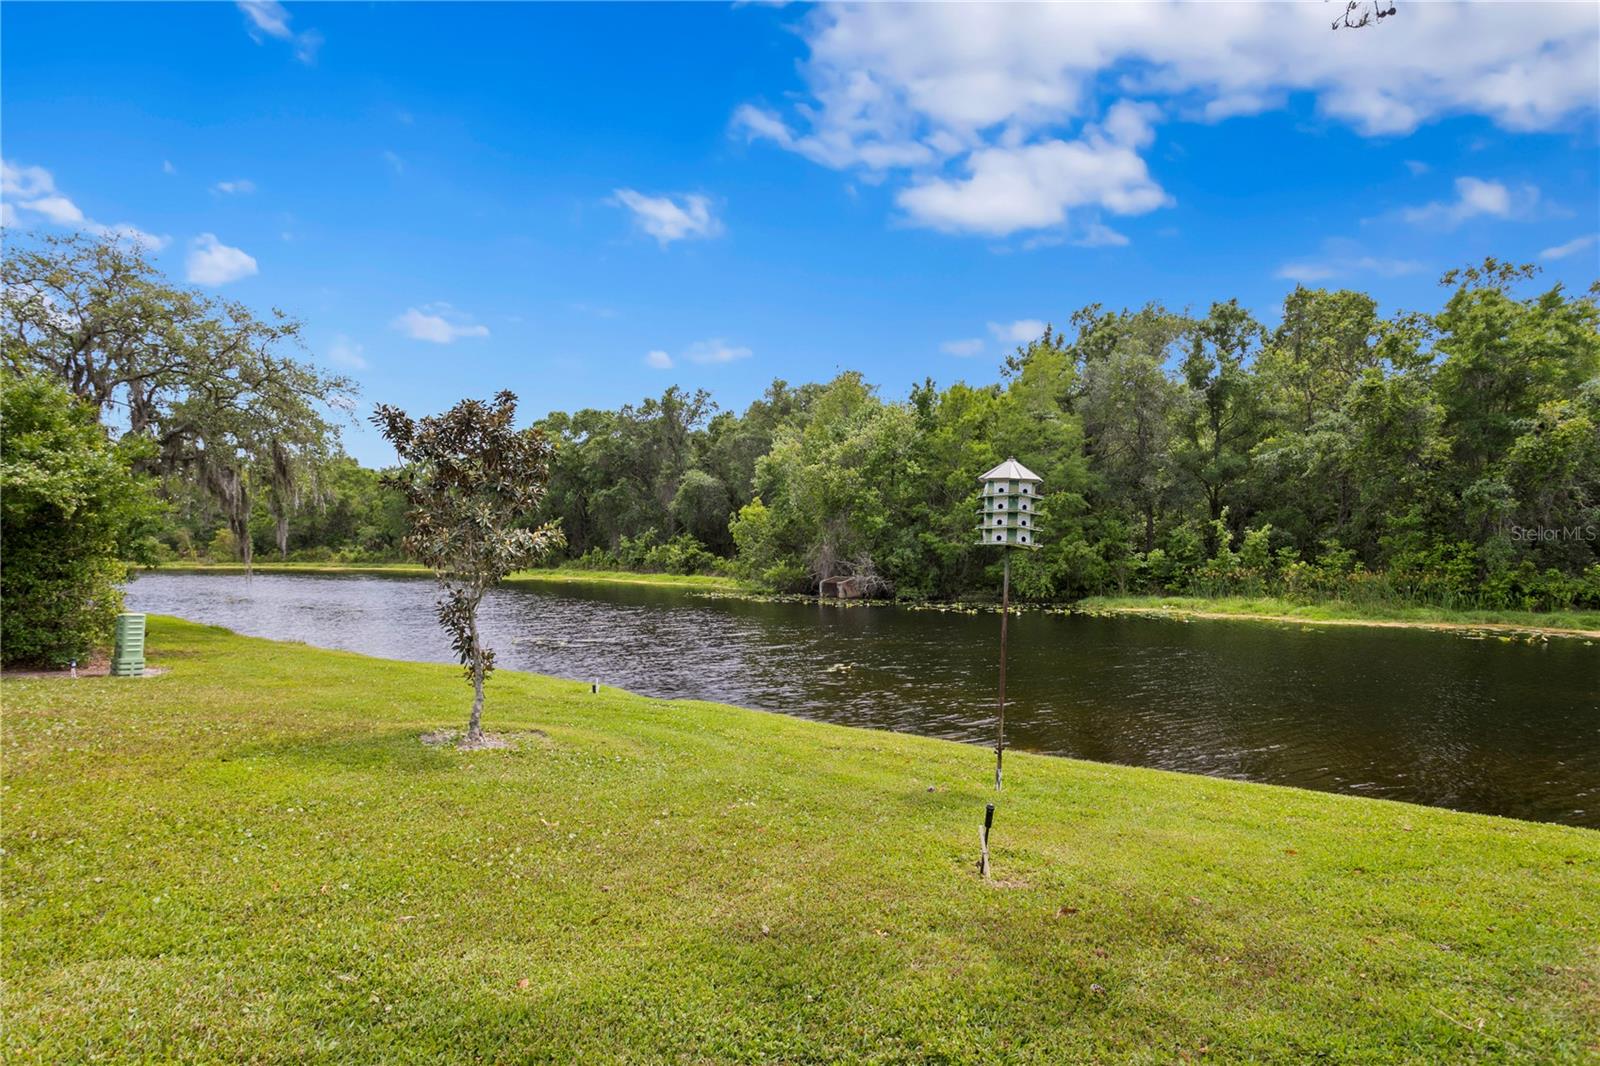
pixel 1448 457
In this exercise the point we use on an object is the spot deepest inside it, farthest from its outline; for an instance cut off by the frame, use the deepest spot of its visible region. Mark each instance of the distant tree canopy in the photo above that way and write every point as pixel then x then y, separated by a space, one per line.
pixel 1450 457
pixel 204 380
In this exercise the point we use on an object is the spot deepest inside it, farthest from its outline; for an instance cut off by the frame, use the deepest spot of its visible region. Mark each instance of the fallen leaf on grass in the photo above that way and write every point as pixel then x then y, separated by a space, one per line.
pixel 524 983
pixel 1062 912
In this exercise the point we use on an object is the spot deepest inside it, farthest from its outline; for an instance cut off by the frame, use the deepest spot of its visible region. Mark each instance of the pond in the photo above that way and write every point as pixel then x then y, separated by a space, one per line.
pixel 1489 725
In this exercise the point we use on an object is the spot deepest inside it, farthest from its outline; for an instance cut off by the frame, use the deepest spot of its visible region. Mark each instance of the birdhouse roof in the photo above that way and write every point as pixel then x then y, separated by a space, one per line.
pixel 1010 470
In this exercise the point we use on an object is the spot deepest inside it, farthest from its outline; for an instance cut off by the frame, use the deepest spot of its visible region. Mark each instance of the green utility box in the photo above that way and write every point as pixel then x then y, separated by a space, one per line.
pixel 127 658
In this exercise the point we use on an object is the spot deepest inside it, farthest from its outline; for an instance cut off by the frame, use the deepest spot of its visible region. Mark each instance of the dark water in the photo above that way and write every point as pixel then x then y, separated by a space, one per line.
pixel 1479 725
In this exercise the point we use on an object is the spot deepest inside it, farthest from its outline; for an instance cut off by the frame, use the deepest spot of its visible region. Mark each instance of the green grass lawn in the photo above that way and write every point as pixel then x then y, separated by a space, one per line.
pixel 560 575
pixel 1338 611
pixel 253 858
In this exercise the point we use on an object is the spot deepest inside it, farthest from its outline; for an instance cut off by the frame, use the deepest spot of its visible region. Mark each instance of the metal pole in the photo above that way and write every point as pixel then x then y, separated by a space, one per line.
pixel 983 838
pixel 1005 612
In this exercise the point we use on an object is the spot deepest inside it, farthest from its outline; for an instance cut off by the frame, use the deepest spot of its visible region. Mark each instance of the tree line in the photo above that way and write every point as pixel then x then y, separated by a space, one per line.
pixel 1447 457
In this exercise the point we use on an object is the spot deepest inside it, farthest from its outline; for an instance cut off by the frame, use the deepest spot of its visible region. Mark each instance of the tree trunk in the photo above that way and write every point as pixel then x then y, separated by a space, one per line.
pixel 475 723
pixel 281 522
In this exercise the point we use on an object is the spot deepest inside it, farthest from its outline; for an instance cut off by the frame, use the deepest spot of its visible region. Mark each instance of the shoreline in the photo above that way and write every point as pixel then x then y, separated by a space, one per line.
pixel 1582 625
pixel 1179 608
pixel 553 576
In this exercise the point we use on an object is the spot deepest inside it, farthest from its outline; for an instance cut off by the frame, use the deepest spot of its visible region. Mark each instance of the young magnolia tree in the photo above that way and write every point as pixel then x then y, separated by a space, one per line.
pixel 469 479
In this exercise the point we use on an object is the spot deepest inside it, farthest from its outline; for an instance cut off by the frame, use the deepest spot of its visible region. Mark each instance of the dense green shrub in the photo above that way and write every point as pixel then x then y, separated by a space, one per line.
pixel 224 547
pixel 682 554
pixel 71 512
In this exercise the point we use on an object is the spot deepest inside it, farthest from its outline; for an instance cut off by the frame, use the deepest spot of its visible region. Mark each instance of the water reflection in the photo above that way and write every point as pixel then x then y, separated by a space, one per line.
pixel 1504 728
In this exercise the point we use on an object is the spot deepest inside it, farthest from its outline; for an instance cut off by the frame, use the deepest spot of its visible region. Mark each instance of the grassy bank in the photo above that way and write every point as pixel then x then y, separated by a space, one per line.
pixel 252 857
pixel 1272 609
pixel 556 576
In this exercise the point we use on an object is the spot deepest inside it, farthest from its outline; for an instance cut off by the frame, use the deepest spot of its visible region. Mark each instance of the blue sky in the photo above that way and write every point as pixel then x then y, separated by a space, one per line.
pixel 589 203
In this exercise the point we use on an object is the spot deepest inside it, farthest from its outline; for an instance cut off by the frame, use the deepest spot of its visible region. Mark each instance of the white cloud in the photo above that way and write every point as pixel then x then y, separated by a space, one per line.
pixel 1307 271
pixel 239 186
pixel 1343 258
pixel 268 18
pixel 1417 167
pixel 1021 331
pixel 31 195
pixel 716 350
pixel 758 123
pixel 1572 247
pixel 20 181
pixel 57 209
pixel 210 262
pixel 1093 235
pixel 1232 105
pixel 1033 186
pixel 1313 270
pixel 438 323
pixel 667 219
pixel 307 45
pixel 658 359
pixel 167 167
pixel 984 114
pixel 1474 197
pixel 8 215
pixel 347 353
pixel 1099 235
pixel 395 162
pixel 963 349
